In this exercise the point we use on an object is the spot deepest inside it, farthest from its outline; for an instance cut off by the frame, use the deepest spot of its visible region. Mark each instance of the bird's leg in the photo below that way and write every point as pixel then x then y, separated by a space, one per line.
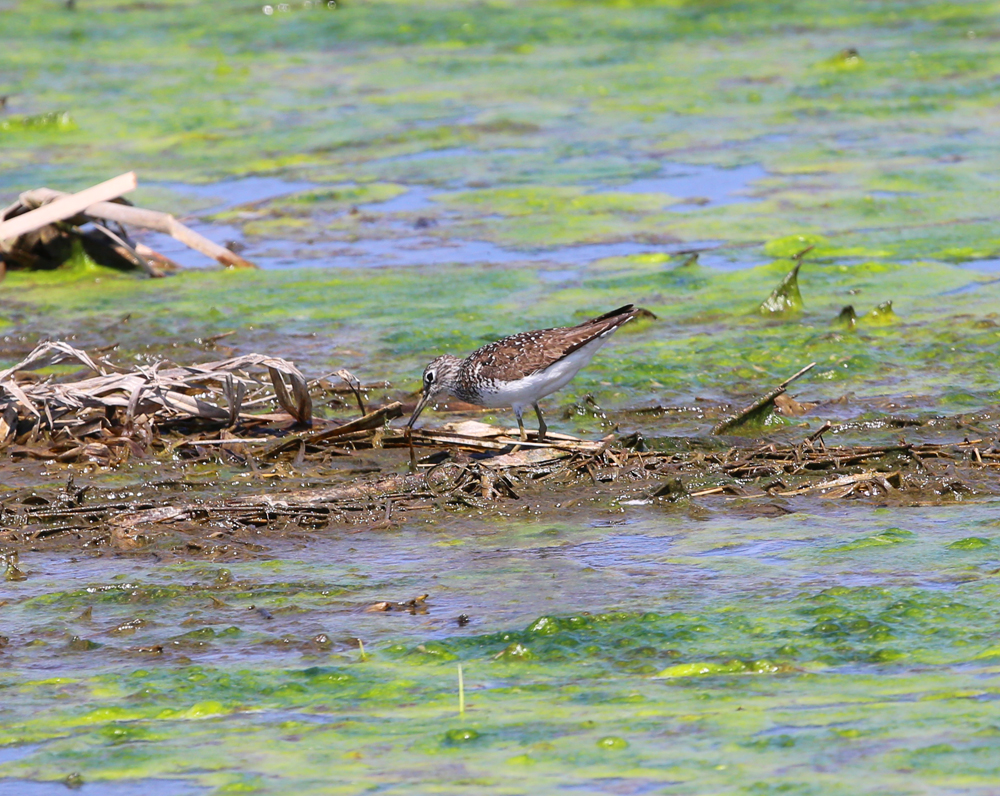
pixel 542 428
pixel 520 425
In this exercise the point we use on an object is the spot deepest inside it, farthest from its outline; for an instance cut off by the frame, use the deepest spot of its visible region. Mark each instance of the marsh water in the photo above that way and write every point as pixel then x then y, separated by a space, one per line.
pixel 421 178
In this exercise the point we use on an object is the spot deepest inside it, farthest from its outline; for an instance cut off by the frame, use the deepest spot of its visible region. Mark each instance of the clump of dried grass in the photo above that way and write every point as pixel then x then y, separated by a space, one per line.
pixel 134 402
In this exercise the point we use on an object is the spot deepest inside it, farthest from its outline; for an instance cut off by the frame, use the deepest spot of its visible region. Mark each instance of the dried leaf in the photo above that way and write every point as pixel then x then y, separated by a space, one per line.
pixel 352 381
pixel 789 407
pixel 48 354
pixel 20 397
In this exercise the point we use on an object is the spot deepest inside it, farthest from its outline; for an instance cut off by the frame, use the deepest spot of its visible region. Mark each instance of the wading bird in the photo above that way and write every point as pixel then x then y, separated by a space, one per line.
pixel 519 370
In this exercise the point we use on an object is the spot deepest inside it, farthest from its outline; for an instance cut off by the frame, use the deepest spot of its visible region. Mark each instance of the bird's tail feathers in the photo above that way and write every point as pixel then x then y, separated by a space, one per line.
pixel 626 312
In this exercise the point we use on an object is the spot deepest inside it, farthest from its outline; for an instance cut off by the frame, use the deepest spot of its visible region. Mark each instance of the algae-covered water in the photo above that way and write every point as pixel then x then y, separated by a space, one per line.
pixel 424 177
pixel 647 651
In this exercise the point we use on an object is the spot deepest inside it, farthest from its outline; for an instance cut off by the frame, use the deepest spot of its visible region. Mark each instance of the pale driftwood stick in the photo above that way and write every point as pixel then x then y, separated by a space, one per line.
pixel 166 223
pixel 150 219
pixel 66 206
pixel 847 480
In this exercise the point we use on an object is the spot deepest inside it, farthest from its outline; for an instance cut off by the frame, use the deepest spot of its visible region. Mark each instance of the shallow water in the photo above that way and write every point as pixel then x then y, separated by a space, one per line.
pixel 397 252
pixel 227 194
pixel 567 620
pixel 705 186
pixel 520 168
pixel 143 787
pixel 410 250
pixel 710 185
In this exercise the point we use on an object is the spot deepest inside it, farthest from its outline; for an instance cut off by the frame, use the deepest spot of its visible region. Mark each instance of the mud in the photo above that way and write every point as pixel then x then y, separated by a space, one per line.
pixel 807 607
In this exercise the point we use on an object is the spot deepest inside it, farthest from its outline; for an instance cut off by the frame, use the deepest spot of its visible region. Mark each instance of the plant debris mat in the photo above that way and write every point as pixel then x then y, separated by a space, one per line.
pixel 252 416
pixel 766 479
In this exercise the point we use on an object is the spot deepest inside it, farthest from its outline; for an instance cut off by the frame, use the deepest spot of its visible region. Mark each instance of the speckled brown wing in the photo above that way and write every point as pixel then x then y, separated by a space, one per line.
pixel 522 354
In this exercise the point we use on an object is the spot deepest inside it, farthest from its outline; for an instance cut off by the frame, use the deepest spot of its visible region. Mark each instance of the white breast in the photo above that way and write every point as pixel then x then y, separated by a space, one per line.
pixel 524 392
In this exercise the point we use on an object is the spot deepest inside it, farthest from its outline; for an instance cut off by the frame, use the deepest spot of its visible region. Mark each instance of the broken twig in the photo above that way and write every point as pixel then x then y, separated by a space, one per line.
pixel 760 405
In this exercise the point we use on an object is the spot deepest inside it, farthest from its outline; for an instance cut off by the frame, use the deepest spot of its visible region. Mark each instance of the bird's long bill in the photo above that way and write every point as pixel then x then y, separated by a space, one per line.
pixel 420 408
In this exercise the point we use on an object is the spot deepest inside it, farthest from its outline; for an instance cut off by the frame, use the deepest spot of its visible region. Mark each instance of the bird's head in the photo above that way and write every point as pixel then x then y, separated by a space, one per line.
pixel 439 381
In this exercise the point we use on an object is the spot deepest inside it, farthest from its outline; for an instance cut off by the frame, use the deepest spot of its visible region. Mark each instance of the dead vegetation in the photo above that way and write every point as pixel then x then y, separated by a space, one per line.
pixel 765 405
pixel 247 403
pixel 114 415
pixel 256 412
pixel 901 474
pixel 466 472
pixel 44 229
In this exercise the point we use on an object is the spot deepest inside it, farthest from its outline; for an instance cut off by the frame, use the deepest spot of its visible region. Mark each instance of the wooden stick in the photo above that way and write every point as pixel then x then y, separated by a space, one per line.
pixel 802 372
pixel 765 399
pixel 164 222
pixel 147 219
pixel 66 206
pixel 161 261
pixel 127 252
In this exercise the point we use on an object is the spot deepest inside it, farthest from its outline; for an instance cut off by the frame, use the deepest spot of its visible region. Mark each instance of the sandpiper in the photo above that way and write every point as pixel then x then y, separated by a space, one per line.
pixel 519 370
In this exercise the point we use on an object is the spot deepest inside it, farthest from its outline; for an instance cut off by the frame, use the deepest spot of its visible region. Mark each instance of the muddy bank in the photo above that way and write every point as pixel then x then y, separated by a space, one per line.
pixel 190 518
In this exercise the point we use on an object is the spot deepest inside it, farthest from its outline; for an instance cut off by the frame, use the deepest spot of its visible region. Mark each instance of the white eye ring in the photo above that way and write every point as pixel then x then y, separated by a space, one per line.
pixel 429 378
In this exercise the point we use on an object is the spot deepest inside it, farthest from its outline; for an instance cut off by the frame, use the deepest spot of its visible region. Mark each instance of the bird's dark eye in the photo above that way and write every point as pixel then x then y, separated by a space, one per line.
pixel 429 378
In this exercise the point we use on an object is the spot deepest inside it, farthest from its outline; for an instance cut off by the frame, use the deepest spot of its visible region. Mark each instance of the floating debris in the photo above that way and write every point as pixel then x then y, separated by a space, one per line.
pixel 786 299
pixel 45 228
pixel 757 413
pixel 418 605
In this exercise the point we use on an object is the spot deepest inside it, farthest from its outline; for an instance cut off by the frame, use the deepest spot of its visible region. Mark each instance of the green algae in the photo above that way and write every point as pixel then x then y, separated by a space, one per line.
pixel 750 660
pixel 550 104
pixel 785 299
pixel 706 341
pixel 888 537
pixel 971 543
pixel 712 668
pixel 696 647
pixel 44 122
pixel 460 736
